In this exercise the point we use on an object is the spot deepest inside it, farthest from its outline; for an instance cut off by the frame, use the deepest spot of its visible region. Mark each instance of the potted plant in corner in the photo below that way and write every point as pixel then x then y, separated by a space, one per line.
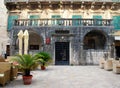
pixel 46 59
pixel 26 63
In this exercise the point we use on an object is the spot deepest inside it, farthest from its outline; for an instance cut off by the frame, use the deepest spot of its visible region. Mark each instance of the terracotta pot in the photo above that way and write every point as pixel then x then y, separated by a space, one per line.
pixel 43 68
pixel 27 79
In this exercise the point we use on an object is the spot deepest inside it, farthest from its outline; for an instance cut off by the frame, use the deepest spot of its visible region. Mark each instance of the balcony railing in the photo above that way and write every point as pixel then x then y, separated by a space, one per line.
pixel 62 22
pixel 9 1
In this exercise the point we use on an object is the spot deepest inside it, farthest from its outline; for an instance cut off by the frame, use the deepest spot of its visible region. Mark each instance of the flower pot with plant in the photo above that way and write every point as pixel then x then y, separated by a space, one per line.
pixel 27 63
pixel 46 59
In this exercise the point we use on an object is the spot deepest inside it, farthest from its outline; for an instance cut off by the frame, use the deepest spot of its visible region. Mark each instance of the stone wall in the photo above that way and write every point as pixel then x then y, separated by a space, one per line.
pixel 78 55
pixel 3 28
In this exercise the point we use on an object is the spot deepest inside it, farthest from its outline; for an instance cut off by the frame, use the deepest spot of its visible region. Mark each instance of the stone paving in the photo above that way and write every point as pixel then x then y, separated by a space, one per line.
pixel 70 77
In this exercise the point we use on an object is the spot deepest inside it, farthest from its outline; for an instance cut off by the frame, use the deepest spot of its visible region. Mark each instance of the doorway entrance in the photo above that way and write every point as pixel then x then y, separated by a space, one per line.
pixel 61 53
pixel 117 48
pixel 117 51
pixel 8 50
pixel 94 39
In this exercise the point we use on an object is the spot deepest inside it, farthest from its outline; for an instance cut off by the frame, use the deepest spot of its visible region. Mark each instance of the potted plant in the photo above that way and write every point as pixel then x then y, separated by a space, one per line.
pixel 26 63
pixel 46 59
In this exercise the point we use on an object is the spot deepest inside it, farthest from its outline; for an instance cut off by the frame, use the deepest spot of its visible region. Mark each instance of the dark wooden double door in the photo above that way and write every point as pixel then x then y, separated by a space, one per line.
pixel 61 53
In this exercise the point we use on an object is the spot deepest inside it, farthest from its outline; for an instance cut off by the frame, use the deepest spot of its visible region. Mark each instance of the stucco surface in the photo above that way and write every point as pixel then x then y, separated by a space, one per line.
pixel 3 27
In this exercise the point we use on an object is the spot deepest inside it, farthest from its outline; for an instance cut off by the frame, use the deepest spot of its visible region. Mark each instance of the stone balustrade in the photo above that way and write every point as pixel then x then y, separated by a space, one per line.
pixel 63 22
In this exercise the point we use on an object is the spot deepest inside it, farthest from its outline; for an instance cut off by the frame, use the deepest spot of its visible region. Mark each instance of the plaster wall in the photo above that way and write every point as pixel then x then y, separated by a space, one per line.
pixel 3 28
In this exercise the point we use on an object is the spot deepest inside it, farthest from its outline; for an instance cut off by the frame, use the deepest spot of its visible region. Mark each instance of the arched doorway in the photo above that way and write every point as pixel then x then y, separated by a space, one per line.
pixel 117 48
pixel 35 42
pixel 94 39
pixel 94 46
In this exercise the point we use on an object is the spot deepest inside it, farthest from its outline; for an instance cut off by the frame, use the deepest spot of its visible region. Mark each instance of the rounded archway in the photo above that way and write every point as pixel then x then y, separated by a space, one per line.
pixel 35 41
pixel 94 39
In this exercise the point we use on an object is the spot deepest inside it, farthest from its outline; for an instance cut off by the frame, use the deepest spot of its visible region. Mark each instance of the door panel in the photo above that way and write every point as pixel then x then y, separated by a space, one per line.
pixel 62 53
pixel 8 50
pixel 117 51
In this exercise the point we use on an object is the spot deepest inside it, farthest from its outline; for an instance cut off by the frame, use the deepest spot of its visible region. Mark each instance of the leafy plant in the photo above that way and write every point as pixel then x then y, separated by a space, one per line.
pixel 46 58
pixel 27 62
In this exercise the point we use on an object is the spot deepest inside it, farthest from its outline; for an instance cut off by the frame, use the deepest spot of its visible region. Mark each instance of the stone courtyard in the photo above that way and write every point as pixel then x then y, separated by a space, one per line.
pixel 70 77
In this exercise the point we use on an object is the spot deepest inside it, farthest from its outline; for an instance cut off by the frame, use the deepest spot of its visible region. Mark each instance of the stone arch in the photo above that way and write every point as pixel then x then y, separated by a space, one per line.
pixel 94 39
pixel 35 40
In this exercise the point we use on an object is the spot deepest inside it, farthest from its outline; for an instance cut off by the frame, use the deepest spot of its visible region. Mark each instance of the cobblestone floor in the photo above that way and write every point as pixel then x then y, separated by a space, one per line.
pixel 70 77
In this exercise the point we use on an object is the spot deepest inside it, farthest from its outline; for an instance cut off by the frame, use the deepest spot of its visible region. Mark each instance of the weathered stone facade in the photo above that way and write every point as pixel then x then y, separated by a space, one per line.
pixel 78 55
pixel 77 34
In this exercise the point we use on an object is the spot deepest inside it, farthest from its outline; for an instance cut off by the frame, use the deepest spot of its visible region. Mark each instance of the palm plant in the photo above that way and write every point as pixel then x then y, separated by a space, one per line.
pixel 46 59
pixel 26 63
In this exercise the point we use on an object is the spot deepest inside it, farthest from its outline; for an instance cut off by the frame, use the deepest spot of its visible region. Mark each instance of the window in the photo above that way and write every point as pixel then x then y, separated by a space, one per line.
pixel 55 20
pixel 97 20
pixel 116 22
pixel 34 21
pixel 34 47
pixel 76 22
pixel 11 19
